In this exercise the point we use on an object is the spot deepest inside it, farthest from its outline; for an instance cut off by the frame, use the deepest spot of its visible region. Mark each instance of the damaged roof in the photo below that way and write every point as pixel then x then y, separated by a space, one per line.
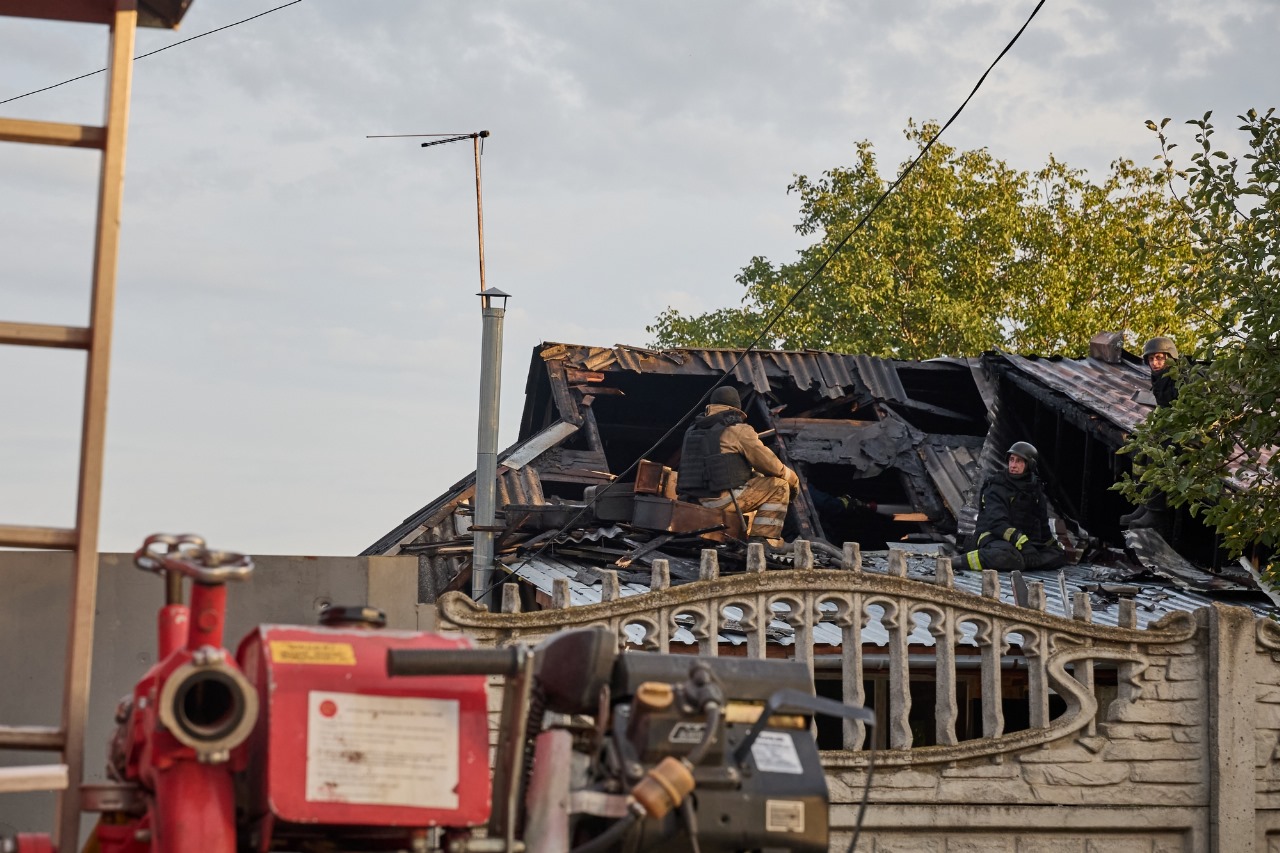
pixel 907 443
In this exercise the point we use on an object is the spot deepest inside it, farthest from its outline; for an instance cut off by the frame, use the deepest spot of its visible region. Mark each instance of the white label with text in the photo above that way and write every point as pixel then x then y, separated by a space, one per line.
pixel 382 750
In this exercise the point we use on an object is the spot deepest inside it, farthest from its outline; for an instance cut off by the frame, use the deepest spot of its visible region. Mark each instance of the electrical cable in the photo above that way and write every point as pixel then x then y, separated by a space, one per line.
pixel 781 311
pixel 610 837
pixel 866 797
pixel 714 712
pixel 154 52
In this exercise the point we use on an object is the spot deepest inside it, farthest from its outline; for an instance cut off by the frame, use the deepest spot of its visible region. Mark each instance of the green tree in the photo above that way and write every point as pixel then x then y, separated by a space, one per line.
pixel 968 254
pixel 1213 449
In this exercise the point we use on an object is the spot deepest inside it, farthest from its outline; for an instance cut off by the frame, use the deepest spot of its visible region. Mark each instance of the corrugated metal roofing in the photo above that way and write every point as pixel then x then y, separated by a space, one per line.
pixel 832 374
pixel 1114 391
pixel 881 377
pixel 1121 393
pixel 954 470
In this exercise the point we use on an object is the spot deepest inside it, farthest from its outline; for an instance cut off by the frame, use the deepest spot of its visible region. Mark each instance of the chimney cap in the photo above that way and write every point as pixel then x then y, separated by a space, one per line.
pixel 1107 346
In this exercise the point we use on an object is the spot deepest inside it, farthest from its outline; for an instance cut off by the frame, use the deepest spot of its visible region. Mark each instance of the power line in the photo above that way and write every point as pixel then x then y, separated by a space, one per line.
pixel 154 52
pixel 791 301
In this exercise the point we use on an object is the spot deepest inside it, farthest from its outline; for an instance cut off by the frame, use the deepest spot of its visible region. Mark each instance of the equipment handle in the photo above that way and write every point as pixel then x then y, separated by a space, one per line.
pixel 793 701
pixel 455 661
pixel 187 554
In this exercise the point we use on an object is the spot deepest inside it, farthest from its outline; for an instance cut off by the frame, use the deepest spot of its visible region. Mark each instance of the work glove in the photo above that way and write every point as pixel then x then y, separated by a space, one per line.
pixel 792 480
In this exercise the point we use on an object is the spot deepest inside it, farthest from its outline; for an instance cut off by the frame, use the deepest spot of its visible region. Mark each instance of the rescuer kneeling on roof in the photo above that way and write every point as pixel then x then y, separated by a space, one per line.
pixel 724 464
pixel 1013 520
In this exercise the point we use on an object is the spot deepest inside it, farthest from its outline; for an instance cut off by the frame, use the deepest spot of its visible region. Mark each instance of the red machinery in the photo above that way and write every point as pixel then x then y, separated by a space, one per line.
pixel 341 749
pixel 300 739
pixel 187 714
pixel 339 738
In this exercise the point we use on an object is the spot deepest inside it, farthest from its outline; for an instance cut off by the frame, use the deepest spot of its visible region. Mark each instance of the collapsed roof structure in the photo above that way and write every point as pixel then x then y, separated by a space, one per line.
pixel 909 442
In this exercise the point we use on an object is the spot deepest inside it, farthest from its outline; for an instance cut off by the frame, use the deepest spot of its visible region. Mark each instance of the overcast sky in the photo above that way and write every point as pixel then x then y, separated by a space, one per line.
pixel 296 333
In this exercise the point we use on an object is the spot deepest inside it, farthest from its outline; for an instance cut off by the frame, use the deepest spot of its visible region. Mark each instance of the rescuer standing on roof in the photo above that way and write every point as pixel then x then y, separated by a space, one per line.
pixel 1160 353
pixel 1013 519
pixel 724 464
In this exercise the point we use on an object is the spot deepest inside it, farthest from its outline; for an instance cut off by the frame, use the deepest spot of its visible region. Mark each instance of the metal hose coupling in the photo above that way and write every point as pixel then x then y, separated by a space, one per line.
pixel 208 705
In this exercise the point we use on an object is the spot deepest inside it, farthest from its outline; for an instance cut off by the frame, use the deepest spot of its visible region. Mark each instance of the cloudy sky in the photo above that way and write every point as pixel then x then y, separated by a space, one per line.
pixel 297 337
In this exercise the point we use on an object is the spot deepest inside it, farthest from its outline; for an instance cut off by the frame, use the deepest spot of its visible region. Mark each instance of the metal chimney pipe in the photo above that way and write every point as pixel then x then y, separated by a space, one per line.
pixel 493 304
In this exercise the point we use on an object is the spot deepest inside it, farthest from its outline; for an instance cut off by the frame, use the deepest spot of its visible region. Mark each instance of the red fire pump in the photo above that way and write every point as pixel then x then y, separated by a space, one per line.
pixel 299 739
pixel 340 738
pixel 188 713
pixel 342 750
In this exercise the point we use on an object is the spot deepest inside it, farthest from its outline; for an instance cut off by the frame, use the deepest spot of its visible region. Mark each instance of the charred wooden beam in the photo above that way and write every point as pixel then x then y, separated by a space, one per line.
pixel 565 402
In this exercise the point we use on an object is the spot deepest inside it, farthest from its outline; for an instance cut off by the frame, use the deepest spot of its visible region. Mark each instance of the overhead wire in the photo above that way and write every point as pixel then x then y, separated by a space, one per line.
pixel 154 52
pixel 800 290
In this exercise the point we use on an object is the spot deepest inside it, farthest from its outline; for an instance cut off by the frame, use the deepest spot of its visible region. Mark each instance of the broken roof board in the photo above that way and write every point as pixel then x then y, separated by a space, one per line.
pixel 520 485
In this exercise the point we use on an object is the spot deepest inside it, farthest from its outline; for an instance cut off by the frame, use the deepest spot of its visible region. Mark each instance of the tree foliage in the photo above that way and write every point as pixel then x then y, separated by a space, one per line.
pixel 968 254
pixel 1213 449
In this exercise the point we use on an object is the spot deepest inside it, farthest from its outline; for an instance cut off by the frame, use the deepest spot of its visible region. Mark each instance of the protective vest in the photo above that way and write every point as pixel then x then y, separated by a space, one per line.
pixel 704 469
pixel 1008 502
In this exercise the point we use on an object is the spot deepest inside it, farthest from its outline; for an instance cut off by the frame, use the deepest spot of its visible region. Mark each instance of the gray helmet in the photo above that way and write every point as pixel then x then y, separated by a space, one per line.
pixel 1026 450
pixel 726 395
pixel 1160 344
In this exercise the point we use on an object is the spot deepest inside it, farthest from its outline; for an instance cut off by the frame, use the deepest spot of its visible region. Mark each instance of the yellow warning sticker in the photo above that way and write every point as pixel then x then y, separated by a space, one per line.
pixel 301 651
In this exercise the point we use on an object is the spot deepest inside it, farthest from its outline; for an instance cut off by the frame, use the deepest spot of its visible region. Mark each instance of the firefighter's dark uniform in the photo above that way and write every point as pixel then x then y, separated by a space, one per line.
pixel 1154 513
pixel 1013 526
pixel 723 462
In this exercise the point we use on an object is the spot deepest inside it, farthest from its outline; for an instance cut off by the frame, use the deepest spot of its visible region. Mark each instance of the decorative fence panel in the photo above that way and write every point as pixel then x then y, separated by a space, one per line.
pixel 1060 653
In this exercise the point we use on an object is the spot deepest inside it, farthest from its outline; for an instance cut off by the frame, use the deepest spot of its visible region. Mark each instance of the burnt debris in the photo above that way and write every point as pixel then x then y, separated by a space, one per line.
pixel 889 454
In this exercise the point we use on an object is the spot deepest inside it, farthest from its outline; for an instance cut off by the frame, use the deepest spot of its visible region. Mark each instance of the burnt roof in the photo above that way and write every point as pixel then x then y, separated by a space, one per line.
pixel 910 441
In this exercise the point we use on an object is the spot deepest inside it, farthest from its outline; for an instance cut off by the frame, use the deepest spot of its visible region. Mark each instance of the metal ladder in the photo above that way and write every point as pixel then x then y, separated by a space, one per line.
pixel 121 16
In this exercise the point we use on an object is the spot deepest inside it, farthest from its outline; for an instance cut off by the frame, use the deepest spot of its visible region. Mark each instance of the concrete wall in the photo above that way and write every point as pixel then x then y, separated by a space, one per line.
pixel 1181 754
pixel 1187 762
pixel 33 626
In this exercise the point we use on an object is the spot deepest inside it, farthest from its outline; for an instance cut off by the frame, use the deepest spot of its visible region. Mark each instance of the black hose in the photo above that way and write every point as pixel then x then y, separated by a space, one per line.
pixel 699 752
pixel 611 836
pixel 866 795
pixel 690 824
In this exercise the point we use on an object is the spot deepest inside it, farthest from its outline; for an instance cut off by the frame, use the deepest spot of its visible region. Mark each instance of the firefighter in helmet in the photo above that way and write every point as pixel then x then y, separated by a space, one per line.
pixel 723 464
pixel 1160 355
pixel 1013 519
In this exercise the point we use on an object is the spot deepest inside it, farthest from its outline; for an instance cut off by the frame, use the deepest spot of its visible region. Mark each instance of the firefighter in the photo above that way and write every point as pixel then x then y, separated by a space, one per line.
pixel 723 464
pixel 1160 353
pixel 1013 519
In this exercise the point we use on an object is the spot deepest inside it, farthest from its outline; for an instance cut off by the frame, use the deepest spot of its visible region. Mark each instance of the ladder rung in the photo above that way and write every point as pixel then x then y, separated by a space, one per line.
pixel 51 133
pixel 52 538
pixel 42 335
pixel 31 737
pixel 41 777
